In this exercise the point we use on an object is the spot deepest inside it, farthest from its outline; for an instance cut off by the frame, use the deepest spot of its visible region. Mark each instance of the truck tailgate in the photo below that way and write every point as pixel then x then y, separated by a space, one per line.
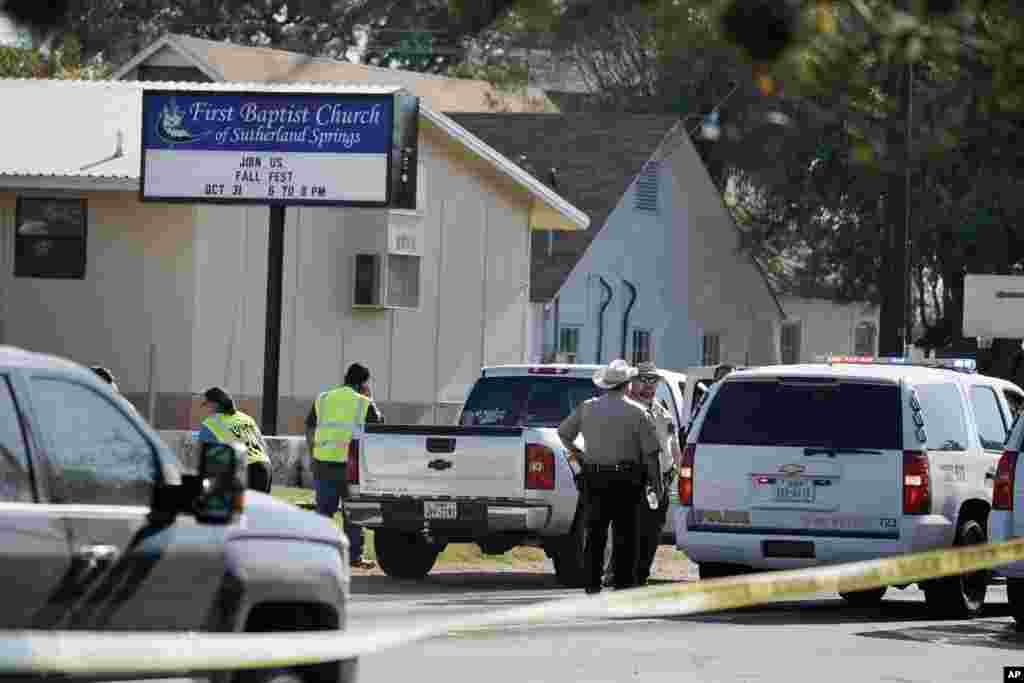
pixel 443 461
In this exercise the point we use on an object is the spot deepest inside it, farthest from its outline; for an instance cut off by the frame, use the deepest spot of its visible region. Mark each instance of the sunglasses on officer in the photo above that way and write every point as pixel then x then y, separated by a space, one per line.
pixel 648 379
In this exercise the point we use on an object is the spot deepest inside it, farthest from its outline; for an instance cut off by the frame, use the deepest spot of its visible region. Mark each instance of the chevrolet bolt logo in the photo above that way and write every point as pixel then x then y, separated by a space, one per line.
pixel 792 470
pixel 439 464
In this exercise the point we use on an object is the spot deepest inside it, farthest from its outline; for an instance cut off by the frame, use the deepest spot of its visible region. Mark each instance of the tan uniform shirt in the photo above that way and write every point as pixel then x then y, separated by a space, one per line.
pixel 615 428
pixel 664 425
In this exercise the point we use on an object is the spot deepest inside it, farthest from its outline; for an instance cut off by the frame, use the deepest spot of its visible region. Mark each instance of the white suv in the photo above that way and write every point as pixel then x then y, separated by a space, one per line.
pixel 850 459
pixel 1007 521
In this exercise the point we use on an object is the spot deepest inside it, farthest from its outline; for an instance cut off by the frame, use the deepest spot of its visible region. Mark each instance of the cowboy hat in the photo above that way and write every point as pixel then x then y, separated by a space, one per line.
pixel 647 369
pixel 616 374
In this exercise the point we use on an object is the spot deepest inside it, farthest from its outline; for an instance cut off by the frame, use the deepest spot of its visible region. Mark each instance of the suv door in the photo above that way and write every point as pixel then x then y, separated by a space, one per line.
pixel 35 559
pixel 104 470
pixel 993 425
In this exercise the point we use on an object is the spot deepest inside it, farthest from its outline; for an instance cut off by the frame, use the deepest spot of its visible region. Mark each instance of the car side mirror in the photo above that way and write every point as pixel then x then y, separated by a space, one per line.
pixel 222 482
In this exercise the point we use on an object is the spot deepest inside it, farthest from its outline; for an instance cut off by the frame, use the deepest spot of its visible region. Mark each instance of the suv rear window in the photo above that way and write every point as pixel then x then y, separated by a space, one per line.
pixel 800 414
pixel 525 401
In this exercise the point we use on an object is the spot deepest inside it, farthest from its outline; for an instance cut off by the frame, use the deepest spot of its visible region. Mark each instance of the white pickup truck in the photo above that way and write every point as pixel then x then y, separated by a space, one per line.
pixel 500 478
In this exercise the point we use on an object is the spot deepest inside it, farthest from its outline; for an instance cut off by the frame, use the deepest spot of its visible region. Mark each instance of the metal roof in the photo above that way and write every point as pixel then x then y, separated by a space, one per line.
pixel 91 131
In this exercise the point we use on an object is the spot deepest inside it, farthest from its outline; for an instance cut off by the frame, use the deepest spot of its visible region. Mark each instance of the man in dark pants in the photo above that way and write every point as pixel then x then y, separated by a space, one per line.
pixel 651 521
pixel 333 422
pixel 619 437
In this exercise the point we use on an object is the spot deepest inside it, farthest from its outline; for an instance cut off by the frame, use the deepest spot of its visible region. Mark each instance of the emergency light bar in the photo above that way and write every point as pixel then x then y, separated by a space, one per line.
pixel 548 371
pixel 962 364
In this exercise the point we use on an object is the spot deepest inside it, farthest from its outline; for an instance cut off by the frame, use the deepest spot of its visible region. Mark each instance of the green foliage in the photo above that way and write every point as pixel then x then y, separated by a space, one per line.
pixel 25 61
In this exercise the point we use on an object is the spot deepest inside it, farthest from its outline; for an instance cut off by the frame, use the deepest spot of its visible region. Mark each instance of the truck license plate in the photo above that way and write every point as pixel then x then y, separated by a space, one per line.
pixel 794 491
pixel 440 510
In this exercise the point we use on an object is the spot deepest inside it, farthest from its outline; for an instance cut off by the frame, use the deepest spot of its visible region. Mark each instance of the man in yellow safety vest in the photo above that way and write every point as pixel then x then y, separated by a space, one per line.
pixel 227 424
pixel 335 420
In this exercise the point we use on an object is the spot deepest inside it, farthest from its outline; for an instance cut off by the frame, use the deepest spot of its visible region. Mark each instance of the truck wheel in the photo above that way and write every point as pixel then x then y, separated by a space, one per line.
pixel 568 554
pixel 405 556
pixel 960 597
pixel 1015 594
pixel 868 598
pixel 272 676
pixel 346 671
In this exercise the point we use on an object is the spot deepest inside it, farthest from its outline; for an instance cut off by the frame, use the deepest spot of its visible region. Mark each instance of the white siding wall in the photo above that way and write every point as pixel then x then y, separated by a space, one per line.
pixel 138 290
pixel 690 278
pixel 828 327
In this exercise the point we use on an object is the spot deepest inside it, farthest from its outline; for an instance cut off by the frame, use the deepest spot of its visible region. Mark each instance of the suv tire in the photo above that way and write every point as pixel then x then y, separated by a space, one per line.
pixel 1015 595
pixel 963 596
pixel 405 556
pixel 867 598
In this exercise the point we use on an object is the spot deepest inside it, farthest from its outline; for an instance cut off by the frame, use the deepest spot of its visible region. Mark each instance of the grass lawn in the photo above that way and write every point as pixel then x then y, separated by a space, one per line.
pixel 454 554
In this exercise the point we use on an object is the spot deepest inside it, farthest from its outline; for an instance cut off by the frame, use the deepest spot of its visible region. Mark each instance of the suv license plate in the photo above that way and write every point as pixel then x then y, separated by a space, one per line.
pixel 794 491
pixel 439 510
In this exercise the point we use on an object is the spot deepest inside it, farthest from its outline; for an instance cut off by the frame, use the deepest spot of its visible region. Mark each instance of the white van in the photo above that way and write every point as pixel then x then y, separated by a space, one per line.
pixel 850 459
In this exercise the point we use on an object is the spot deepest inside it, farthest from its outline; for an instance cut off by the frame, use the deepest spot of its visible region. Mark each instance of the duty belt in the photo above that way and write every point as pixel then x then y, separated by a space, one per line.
pixel 620 467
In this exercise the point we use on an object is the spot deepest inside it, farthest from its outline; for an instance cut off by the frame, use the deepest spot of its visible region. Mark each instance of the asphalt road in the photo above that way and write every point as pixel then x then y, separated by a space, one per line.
pixel 819 639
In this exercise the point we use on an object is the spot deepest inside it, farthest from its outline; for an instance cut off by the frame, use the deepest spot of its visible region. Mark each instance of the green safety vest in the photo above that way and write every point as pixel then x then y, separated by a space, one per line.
pixel 340 414
pixel 241 429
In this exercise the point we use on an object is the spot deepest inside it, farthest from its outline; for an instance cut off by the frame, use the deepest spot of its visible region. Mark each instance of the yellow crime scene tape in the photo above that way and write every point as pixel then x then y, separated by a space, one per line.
pixel 83 652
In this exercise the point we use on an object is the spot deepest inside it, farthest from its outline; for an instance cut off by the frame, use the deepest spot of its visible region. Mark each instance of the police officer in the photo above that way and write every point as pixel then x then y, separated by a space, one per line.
pixel 337 416
pixel 619 437
pixel 650 521
pixel 226 424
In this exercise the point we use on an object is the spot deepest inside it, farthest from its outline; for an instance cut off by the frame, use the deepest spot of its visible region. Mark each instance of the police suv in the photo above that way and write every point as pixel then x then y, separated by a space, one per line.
pixel 1008 516
pixel 849 459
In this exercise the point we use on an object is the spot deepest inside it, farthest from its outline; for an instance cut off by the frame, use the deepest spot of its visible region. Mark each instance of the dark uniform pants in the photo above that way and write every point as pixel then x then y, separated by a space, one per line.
pixel 611 498
pixel 649 524
pixel 260 476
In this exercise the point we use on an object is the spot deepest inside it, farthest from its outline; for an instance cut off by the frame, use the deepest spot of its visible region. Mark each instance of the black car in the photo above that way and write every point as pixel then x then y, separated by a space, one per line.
pixel 101 530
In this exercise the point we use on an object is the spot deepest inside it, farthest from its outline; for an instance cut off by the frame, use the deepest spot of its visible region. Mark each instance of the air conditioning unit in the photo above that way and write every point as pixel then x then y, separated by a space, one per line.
pixel 386 280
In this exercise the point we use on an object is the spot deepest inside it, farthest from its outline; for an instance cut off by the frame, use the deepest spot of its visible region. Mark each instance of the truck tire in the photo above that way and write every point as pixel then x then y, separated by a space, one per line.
pixel 1015 595
pixel 963 596
pixel 346 671
pixel 272 676
pixel 568 556
pixel 405 556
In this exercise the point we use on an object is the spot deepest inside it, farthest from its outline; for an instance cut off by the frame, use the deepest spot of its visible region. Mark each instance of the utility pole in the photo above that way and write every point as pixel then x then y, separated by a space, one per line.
pixel 895 314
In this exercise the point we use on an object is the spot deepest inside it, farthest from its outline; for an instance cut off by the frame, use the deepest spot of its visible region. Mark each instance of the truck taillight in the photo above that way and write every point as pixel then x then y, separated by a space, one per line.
pixel 1002 489
pixel 352 464
pixel 686 475
pixel 540 467
pixel 917 497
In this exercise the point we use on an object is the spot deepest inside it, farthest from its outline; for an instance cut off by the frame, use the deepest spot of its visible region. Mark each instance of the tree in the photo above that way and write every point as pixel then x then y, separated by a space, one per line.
pixel 24 60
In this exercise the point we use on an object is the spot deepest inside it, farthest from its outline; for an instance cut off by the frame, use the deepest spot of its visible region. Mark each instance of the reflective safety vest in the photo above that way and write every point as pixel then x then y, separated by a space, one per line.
pixel 340 416
pixel 241 429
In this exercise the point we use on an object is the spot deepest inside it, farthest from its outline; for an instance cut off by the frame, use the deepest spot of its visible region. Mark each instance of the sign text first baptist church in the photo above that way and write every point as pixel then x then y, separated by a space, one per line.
pixel 274 147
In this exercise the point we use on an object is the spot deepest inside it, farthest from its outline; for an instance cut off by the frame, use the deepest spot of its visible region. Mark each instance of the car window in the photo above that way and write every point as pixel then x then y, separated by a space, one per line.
pixel 804 414
pixel 1015 402
pixel 99 457
pixel 525 401
pixel 989 415
pixel 943 411
pixel 663 395
pixel 15 480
